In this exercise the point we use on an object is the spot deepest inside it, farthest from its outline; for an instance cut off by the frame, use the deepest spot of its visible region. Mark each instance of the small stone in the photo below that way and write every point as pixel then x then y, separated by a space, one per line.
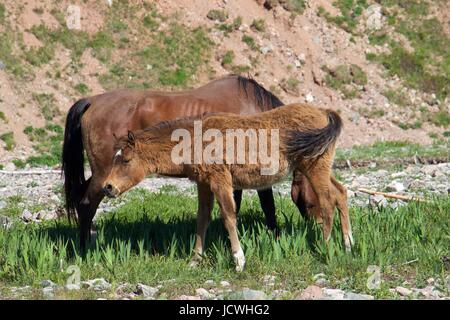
pixel 98 284
pixel 320 280
pixel 26 216
pixel 249 294
pixel 403 291
pixel 396 186
pixel 48 292
pixel 209 283
pixel 310 293
pixel 72 286
pixel 224 283
pixel 355 118
pixel 377 200
pixel 333 294
pixel 430 280
pixel 10 166
pixel 204 294
pixel 48 283
pixel 146 291
pixel 357 296
pixel 309 97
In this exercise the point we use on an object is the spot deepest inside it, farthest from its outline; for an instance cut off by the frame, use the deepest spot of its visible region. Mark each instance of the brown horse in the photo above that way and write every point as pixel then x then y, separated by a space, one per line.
pixel 302 138
pixel 92 122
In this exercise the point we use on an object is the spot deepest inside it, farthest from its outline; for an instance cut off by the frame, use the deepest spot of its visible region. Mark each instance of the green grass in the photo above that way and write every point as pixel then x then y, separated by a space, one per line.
pixel 8 139
pixel 259 25
pixel 250 42
pixel 172 59
pixel 12 208
pixel 47 144
pixel 3 117
pixel 82 88
pixel 46 102
pixel 350 10
pixel 217 15
pixel 150 239
pixel 346 78
pixel 227 58
pixel 2 13
pixel 385 150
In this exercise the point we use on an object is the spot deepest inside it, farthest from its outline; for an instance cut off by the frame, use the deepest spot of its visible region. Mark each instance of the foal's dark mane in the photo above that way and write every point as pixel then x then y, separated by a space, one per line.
pixel 265 99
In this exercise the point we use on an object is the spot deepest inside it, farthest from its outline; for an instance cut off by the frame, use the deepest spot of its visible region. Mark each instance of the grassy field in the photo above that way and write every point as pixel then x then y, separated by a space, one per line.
pixel 150 240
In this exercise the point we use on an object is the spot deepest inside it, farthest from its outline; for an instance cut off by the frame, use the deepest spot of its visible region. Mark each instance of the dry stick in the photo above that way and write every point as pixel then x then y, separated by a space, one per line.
pixel 390 195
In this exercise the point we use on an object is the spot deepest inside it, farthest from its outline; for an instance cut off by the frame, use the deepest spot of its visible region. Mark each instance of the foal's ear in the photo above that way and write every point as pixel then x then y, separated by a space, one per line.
pixel 131 137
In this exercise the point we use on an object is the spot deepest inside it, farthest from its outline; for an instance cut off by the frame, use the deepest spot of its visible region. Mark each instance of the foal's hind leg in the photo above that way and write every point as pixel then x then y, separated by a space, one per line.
pixel 205 206
pixel 340 194
pixel 268 206
pixel 221 185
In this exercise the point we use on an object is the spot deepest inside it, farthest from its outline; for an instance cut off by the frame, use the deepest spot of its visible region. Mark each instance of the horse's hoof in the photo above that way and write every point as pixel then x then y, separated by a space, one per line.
pixel 239 259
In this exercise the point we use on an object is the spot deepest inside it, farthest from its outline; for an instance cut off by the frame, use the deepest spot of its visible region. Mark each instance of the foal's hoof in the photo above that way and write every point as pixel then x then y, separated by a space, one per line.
pixel 239 260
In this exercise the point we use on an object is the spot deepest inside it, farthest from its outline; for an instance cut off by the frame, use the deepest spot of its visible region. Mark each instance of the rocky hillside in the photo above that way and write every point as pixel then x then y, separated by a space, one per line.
pixel 384 65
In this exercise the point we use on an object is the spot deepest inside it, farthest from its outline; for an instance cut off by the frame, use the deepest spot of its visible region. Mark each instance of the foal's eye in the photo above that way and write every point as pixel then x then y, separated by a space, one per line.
pixel 125 160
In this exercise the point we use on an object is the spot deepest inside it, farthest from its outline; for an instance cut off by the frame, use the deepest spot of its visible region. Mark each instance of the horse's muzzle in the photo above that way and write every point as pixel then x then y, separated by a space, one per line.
pixel 110 191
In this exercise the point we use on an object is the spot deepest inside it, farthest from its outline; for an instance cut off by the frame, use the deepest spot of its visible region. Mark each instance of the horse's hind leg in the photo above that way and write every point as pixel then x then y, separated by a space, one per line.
pixel 205 206
pixel 268 207
pixel 237 196
pixel 340 194
pixel 87 208
pixel 221 185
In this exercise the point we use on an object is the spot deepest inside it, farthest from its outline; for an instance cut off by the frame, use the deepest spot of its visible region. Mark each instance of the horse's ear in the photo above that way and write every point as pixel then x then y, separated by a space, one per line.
pixel 131 137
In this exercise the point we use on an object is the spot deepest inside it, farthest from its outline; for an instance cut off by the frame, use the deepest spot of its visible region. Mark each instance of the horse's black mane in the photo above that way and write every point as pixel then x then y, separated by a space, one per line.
pixel 265 99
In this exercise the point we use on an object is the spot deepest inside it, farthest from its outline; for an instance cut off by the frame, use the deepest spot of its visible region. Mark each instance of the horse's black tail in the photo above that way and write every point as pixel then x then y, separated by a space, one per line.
pixel 73 158
pixel 313 143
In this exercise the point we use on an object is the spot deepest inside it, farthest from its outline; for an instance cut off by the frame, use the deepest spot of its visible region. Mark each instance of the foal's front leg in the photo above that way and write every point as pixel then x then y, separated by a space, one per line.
pixel 205 206
pixel 224 194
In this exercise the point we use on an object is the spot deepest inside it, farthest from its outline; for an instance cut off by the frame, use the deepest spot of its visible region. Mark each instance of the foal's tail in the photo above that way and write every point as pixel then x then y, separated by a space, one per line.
pixel 313 143
pixel 73 157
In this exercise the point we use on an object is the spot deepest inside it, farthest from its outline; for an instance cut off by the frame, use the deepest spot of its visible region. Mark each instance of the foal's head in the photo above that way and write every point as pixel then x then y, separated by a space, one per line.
pixel 128 168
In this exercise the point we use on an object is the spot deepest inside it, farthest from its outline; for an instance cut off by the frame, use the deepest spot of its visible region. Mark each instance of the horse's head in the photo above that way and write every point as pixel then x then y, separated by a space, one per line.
pixel 127 169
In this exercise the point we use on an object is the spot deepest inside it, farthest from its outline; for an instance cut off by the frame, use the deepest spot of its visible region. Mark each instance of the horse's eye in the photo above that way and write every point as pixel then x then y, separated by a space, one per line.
pixel 125 160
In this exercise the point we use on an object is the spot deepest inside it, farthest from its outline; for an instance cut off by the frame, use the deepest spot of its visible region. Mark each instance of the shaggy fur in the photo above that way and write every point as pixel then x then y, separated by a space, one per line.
pixel 307 145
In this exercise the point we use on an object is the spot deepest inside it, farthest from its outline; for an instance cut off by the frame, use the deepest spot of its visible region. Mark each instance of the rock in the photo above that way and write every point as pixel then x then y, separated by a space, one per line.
pixel 377 200
pixel 224 283
pixel 146 291
pixel 249 294
pixel 98 284
pixel 204 294
pixel 311 293
pixel 266 49
pixel 320 280
pixel 309 97
pixel 3 204
pixel 26 216
pixel 357 296
pixel 10 166
pixel 355 118
pixel 278 294
pixel 185 297
pixel 333 294
pixel 209 283
pixel 72 286
pixel 374 17
pixel 48 292
pixel 403 291
pixel 48 283
pixel 430 280
pixel 396 186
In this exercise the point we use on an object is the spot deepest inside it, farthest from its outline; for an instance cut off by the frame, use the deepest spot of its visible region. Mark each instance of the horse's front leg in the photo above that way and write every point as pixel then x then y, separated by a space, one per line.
pixel 222 188
pixel 205 206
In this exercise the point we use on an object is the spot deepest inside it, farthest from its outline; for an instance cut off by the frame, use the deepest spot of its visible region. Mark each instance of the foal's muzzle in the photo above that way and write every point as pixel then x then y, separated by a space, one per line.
pixel 110 191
